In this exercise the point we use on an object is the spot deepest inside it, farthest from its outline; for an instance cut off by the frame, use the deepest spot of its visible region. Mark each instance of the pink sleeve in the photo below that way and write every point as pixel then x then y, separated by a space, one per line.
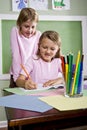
pixel 16 58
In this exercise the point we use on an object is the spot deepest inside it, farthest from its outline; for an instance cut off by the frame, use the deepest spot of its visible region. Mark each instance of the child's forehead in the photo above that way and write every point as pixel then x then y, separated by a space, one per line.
pixel 48 42
pixel 46 39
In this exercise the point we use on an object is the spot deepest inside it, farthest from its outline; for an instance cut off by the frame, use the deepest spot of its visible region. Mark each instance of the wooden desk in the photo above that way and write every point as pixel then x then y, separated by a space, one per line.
pixel 45 121
pixel 18 119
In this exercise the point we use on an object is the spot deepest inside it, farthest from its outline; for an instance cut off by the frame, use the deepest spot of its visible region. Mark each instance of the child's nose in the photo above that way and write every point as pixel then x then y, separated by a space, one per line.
pixel 30 29
pixel 48 50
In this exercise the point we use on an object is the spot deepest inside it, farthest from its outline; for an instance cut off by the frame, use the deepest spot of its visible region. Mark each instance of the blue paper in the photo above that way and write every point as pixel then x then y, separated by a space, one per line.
pixel 24 102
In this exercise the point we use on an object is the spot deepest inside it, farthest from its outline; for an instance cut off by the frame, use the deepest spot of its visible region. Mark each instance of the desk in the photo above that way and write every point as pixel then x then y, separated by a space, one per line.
pixel 45 121
pixel 18 119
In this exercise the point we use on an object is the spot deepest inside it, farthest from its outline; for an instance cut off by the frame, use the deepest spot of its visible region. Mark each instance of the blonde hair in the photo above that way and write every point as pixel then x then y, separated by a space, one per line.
pixel 53 36
pixel 27 14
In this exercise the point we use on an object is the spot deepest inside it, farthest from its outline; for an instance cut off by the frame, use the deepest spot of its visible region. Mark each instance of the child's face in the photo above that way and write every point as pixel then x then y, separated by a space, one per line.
pixel 28 28
pixel 48 49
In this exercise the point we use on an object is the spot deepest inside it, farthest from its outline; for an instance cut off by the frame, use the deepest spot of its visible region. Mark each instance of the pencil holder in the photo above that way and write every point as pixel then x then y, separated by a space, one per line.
pixel 74 88
pixel 74 77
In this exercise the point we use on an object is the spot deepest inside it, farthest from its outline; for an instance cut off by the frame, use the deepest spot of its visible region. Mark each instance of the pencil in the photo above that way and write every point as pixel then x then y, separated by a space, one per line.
pixel 80 77
pixel 70 71
pixel 63 64
pixel 27 74
pixel 77 78
pixel 66 77
pixel 66 72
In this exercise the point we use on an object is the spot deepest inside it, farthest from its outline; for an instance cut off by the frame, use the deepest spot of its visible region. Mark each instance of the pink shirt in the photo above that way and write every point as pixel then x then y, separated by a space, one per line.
pixel 22 48
pixel 41 71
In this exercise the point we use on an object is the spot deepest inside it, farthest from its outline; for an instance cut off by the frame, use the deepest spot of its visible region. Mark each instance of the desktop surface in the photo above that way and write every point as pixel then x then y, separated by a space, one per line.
pixel 45 121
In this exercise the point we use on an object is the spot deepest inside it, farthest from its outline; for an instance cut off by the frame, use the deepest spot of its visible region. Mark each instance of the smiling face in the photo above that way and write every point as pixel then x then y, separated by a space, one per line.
pixel 28 28
pixel 27 22
pixel 48 49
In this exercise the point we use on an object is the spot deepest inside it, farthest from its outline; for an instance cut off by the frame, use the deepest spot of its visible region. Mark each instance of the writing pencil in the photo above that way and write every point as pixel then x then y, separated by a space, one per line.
pixel 27 74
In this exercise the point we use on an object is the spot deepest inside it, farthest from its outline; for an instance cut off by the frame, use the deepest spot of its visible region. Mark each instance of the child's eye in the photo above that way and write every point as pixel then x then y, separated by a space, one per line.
pixel 26 26
pixel 44 47
pixel 52 49
pixel 33 26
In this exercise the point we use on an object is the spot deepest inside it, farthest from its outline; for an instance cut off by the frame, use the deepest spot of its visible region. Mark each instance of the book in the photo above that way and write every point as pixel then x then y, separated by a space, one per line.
pixel 40 87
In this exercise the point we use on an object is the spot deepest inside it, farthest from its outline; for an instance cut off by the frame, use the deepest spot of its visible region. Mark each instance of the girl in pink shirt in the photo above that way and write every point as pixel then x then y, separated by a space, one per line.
pixel 24 41
pixel 45 67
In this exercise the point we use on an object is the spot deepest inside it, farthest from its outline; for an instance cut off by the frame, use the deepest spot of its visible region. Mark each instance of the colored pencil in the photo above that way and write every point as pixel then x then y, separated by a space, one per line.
pixel 80 76
pixel 70 71
pixel 77 79
pixel 27 74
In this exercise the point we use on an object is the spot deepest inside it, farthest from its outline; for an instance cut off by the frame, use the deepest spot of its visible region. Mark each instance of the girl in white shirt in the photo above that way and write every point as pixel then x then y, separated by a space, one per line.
pixel 45 67
pixel 24 41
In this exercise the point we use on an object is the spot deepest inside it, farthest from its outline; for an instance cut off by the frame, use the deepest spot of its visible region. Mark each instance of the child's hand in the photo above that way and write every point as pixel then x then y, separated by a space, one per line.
pixel 49 83
pixel 29 84
pixel 53 82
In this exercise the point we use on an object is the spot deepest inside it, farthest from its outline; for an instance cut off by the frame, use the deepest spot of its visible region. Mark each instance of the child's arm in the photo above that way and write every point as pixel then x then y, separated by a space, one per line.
pixel 16 58
pixel 54 82
pixel 27 84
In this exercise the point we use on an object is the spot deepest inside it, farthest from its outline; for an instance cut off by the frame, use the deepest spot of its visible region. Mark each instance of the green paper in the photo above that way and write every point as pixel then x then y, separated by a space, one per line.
pixel 19 91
